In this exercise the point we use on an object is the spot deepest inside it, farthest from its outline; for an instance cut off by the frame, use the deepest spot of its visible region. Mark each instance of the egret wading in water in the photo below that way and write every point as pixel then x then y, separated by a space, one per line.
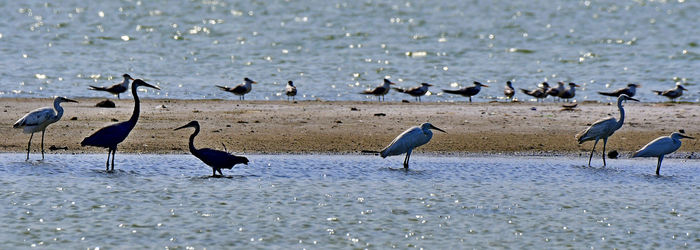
pixel 467 91
pixel 509 91
pixel 408 140
pixel 661 146
pixel 290 90
pixel 109 137
pixel 214 158
pixel 380 91
pixel 417 91
pixel 673 93
pixel 241 89
pixel 38 119
pixel 604 128
pixel 115 89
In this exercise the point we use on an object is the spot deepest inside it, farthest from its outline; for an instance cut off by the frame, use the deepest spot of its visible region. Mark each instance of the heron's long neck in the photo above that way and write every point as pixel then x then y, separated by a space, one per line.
pixel 622 114
pixel 193 150
pixel 137 106
pixel 59 110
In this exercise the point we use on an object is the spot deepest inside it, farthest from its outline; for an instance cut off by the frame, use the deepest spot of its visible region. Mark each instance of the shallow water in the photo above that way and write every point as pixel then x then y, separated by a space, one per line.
pixel 321 201
pixel 335 49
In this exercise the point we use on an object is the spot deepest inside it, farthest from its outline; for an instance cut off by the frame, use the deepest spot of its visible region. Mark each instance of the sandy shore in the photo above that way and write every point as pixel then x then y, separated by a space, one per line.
pixel 348 127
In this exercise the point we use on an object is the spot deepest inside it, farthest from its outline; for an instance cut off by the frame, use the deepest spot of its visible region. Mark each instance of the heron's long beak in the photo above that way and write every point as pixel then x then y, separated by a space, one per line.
pixel 438 129
pixel 149 85
pixel 186 126
pixel 630 98
pixel 69 100
pixel 484 85
pixel 685 136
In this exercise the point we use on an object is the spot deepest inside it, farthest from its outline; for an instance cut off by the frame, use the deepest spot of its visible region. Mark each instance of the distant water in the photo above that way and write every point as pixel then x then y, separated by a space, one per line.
pixel 348 201
pixel 334 49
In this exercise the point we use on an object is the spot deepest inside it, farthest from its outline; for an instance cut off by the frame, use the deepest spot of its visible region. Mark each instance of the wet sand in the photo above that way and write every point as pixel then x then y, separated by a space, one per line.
pixel 350 127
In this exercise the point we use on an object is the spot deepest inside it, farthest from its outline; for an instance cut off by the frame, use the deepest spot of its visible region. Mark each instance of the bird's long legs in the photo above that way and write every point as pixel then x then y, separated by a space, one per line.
pixel 107 164
pixel 42 144
pixel 592 150
pixel 113 152
pixel 29 145
pixel 213 172
pixel 408 157
pixel 220 173
pixel 605 142
pixel 658 165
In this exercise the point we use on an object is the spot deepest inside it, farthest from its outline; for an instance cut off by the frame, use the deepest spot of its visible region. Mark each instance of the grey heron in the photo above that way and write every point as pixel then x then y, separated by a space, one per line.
pixel 38 119
pixel 214 158
pixel 408 140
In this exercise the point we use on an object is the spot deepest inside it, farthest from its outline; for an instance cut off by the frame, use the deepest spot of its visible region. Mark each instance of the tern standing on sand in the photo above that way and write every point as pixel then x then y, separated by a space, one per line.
pixel 570 92
pixel 672 93
pixel 115 89
pixel 241 89
pixel 538 93
pixel 630 91
pixel 290 90
pixel 417 91
pixel 381 90
pixel 509 91
pixel 467 91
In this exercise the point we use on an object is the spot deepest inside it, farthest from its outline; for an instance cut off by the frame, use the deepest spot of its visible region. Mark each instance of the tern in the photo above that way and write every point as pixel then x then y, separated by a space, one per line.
pixel 417 91
pixel 290 90
pixel 539 93
pixel 509 91
pixel 240 89
pixel 672 93
pixel 115 89
pixel 380 91
pixel 570 92
pixel 467 91
pixel 630 91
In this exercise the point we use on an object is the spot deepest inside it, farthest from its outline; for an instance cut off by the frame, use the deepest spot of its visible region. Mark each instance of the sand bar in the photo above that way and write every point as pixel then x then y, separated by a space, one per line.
pixel 349 127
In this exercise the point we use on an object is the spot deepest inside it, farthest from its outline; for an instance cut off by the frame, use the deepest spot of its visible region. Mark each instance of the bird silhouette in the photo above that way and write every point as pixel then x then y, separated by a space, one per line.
pixel 604 128
pixel 380 91
pixel 115 89
pixel 214 158
pixel 467 91
pixel 109 137
pixel 408 140
pixel 38 119
pixel 241 89
pixel 661 146
pixel 417 91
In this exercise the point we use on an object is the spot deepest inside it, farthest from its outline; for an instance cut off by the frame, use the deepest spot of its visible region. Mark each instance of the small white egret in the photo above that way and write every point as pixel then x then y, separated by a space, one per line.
pixel 109 137
pixel 569 92
pixel 672 93
pixel 115 89
pixel 380 91
pixel 240 89
pixel 417 91
pixel 604 128
pixel 38 119
pixel 538 93
pixel 408 140
pixel 509 91
pixel 630 91
pixel 290 90
pixel 467 91
pixel 661 146
pixel 214 158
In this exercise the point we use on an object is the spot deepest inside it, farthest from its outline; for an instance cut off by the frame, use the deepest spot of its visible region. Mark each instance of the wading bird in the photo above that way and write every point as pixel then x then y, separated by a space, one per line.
pixel 115 89
pixel 539 93
pixel 570 92
pixel 214 158
pixel 630 91
pixel 408 140
pixel 509 91
pixel 291 90
pixel 604 128
pixel 672 93
pixel 417 91
pixel 38 119
pixel 661 146
pixel 241 89
pixel 555 92
pixel 380 91
pixel 109 137
pixel 467 91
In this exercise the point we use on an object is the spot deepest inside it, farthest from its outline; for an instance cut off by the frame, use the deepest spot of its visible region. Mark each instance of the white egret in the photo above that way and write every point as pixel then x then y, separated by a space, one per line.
pixel 290 90
pixel 467 91
pixel 380 91
pixel 630 91
pixel 240 89
pixel 570 92
pixel 538 93
pixel 604 128
pixel 109 137
pixel 115 89
pixel 672 93
pixel 417 91
pixel 408 140
pixel 38 119
pixel 661 146
pixel 214 158
pixel 509 91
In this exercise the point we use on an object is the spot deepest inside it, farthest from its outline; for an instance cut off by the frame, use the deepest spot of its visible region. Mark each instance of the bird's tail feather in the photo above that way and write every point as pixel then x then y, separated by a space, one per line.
pixel 96 88
pixel 222 87
pixel 451 91
pixel 607 93
pixel 657 92
pixel 400 90
pixel 525 91
pixel 374 152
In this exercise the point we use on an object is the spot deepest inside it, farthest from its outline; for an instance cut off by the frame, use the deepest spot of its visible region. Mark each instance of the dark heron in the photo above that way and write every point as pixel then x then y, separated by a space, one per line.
pixel 115 89
pixel 380 91
pixel 214 158
pixel 467 91
pixel 240 89
pixel 110 136
pixel 38 119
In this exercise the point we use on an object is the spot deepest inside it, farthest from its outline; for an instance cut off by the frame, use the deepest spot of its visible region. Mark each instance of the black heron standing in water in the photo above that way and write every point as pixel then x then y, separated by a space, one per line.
pixel 216 159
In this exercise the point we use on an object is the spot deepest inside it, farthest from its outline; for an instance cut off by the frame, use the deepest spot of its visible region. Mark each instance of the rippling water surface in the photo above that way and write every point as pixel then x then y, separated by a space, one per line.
pixel 335 49
pixel 312 201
